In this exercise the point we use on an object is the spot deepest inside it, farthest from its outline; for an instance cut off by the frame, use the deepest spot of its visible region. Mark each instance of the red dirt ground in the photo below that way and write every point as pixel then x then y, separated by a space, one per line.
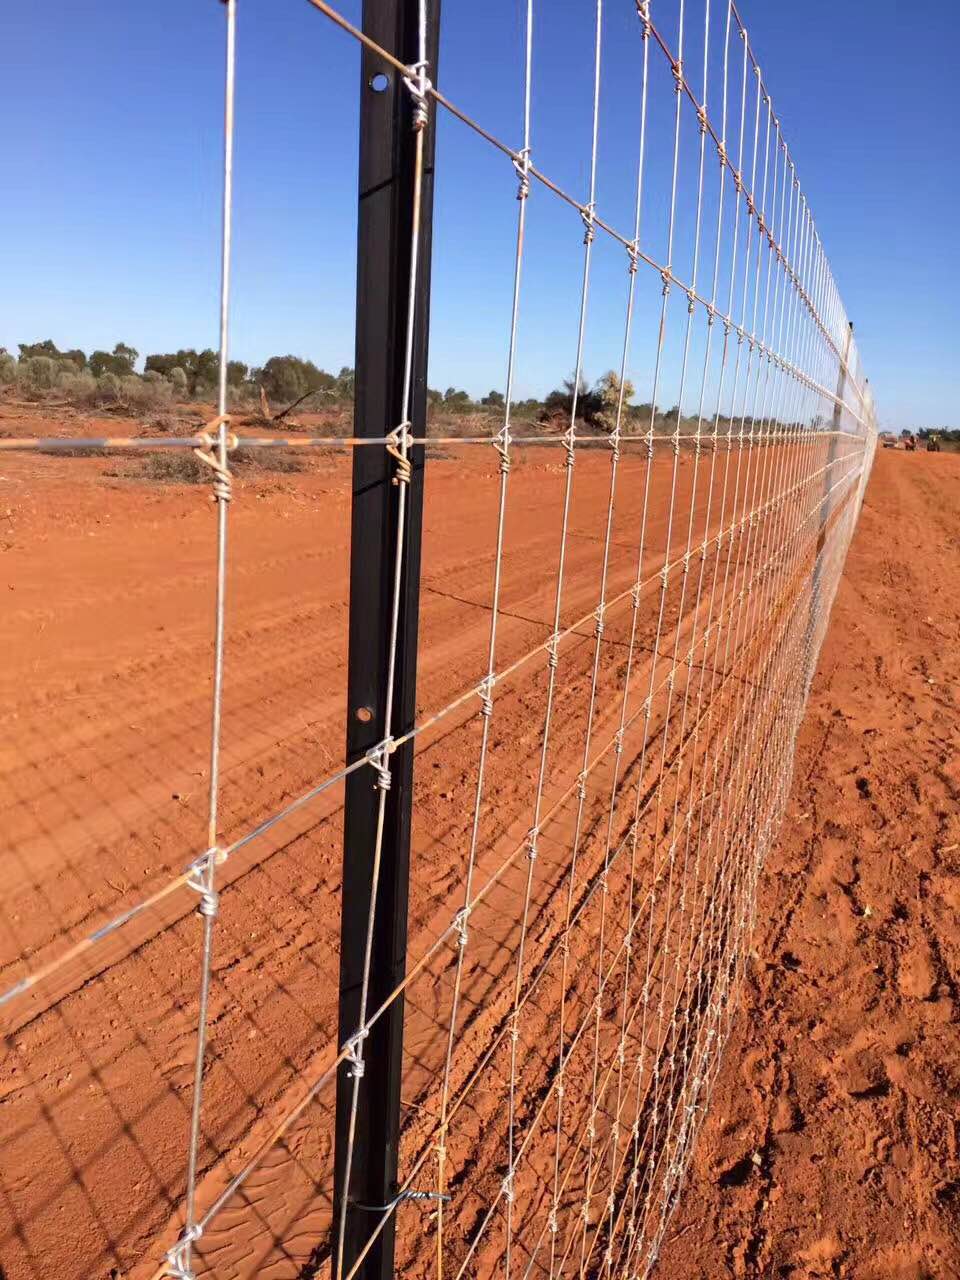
pixel 104 705
pixel 831 1146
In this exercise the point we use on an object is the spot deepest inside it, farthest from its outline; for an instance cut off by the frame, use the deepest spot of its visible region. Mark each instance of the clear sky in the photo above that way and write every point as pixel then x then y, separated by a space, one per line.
pixel 109 225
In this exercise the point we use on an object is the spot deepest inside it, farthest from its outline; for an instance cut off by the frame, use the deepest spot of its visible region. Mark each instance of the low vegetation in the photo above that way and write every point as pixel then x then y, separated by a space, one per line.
pixel 283 386
pixel 109 382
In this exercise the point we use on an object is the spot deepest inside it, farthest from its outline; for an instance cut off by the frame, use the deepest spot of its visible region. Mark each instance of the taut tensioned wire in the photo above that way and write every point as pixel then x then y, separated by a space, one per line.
pixel 769 657
pixel 587 1020
pixel 502 445
pixel 654 894
pixel 102 932
pixel 213 451
pixel 677 1171
pixel 328 1072
pixel 589 236
pixel 639 1063
pixel 587 211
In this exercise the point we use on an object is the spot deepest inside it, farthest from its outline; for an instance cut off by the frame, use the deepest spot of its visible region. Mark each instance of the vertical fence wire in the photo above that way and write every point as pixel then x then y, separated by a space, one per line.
pixel 501 444
pixel 739 528
pixel 179 1258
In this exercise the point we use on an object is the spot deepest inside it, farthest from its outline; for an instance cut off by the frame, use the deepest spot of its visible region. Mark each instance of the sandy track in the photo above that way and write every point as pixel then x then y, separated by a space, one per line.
pixel 105 711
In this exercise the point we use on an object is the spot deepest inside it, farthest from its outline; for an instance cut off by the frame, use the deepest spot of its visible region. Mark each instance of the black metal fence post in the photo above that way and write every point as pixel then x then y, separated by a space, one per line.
pixel 383 292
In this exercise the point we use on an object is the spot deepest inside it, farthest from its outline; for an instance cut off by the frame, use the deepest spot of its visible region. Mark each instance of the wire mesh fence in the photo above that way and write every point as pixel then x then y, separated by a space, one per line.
pixel 616 733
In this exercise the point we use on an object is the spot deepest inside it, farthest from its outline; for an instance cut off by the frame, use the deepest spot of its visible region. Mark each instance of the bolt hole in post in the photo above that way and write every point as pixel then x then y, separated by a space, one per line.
pixel 380 83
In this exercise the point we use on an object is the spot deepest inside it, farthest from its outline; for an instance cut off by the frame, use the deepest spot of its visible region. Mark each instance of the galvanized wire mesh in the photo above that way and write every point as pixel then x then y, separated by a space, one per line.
pixel 586 969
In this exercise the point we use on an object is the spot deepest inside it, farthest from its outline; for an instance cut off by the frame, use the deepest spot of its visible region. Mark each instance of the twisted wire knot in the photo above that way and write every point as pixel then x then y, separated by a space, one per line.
pixel 569 444
pixel 201 882
pixel 460 924
pixel 643 13
pixel 521 164
pixel 396 442
pixel 501 442
pixel 633 253
pixel 419 86
pixel 702 118
pixel 379 758
pixel 208 453
pixel 587 215
pixel 354 1059
pixel 177 1264
pixel 484 692
pixel 676 69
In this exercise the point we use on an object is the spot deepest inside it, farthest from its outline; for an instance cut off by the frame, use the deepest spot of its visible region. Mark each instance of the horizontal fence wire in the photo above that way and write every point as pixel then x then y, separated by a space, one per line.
pixel 625 883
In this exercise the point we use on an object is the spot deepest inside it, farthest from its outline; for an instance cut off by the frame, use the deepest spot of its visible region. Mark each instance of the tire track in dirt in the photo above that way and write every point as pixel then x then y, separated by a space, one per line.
pixel 238 1238
pixel 97 1086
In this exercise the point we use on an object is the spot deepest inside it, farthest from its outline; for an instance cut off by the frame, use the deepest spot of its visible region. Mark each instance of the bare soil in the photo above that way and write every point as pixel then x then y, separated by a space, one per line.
pixel 842 1076
pixel 104 723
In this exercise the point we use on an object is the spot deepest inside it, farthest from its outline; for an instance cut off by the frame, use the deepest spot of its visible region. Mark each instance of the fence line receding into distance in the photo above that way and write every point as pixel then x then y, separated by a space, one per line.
pixel 586 973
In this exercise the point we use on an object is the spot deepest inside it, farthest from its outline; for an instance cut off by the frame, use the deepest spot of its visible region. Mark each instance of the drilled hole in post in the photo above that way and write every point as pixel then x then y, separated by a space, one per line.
pixel 364 715
pixel 380 82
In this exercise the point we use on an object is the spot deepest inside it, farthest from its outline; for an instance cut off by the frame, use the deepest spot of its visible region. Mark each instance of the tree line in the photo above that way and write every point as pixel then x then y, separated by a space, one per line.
pixel 174 376
pixel 190 373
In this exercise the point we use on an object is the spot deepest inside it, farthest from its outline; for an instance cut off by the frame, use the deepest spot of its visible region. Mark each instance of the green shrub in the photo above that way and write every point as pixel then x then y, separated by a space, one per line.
pixel 143 396
pixel 8 369
pixel 109 388
pixel 78 388
pixel 37 374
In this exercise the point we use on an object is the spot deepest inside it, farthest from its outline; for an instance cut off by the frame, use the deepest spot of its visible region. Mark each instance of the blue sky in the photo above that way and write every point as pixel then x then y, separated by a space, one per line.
pixel 110 224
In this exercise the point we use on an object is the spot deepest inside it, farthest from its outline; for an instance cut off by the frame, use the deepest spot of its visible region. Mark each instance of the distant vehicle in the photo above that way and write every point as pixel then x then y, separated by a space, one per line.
pixel 933 443
pixel 910 443
pixel 888 441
